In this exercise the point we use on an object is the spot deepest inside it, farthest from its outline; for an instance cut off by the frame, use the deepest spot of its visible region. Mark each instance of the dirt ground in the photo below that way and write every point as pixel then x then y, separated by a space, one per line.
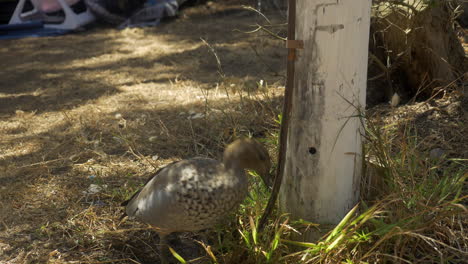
pixel 84 118
pixel 106 107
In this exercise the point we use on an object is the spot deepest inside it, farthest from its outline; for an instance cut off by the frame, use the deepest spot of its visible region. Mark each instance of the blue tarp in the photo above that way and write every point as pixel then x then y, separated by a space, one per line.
pixel 28 29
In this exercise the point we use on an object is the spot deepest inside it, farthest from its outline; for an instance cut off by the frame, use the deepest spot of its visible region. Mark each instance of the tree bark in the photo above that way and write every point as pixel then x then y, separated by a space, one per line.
pixel 417 40
pixel 324 146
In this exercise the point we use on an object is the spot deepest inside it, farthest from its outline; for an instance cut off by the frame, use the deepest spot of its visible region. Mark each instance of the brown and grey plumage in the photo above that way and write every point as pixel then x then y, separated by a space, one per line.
pixel 197 193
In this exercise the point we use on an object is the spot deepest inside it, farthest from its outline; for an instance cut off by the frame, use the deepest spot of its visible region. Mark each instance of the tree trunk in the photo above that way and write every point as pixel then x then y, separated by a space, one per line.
pixel 417 40
pixel 323 161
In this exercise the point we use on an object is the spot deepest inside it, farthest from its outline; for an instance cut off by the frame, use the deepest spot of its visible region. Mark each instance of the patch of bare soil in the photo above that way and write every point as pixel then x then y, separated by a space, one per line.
pixel 438 124
pixel 85 117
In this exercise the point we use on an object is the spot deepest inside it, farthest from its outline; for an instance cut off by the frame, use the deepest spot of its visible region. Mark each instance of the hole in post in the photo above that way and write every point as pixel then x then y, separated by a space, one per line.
pixel 312 150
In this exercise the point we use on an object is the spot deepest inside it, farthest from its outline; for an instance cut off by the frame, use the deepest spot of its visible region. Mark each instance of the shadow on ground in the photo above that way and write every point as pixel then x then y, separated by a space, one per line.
pixel 108 107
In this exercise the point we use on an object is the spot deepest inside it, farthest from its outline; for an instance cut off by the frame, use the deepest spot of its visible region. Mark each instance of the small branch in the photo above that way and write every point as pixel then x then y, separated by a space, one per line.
pixel 379 62
pixel 402 3
pixel 263 28
pixel 42 163
pixel 218 61
pixel 256 11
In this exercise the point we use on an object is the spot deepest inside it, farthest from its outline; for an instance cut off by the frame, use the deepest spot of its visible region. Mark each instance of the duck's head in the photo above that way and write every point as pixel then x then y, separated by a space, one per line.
pixel 249 154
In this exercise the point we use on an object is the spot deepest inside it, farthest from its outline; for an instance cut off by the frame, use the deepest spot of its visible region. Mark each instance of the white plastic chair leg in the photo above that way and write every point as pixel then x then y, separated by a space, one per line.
pixel 72 20
pixel 16 18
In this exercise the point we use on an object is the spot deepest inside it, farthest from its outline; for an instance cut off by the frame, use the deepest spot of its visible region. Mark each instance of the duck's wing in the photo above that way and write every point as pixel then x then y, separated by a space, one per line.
pixel 158 190
pixel 125 203
pixel 135 195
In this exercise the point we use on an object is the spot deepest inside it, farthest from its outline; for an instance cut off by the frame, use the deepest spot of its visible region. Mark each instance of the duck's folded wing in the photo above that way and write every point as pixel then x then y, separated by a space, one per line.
pixel 159 193
pixel 135 195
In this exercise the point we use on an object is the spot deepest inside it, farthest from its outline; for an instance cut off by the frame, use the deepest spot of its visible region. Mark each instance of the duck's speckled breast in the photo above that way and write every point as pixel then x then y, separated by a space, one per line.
pixel 202 195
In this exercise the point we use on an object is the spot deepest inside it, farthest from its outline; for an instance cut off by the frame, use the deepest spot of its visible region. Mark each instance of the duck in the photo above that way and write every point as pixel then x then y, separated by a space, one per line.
pixel 195 194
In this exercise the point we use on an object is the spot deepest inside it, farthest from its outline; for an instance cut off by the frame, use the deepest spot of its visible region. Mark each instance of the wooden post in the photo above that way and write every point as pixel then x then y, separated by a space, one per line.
pixel 323 158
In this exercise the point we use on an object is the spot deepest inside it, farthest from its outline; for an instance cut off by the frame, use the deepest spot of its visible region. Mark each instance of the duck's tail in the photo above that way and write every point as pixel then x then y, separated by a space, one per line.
pixel 128 204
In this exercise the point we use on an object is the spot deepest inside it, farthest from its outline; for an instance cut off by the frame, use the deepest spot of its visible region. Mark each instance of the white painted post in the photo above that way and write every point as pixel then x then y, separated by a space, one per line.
pixel 324 147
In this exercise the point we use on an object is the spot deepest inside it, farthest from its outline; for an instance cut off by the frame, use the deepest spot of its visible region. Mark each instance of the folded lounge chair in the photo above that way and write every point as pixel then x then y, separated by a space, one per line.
pixel 68 20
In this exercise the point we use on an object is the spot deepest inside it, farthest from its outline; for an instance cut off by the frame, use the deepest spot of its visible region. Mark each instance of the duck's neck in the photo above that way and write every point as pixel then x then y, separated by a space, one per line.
pixel 235 173
pixel 234 156
pixel 231 164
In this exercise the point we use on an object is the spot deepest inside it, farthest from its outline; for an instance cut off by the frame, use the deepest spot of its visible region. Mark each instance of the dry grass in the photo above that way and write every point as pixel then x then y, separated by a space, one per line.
pixel 47 202
pixel 106 108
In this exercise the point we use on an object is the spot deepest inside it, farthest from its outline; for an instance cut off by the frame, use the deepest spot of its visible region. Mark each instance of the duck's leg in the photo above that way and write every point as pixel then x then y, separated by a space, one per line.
pixel 164 248
pixel 203 237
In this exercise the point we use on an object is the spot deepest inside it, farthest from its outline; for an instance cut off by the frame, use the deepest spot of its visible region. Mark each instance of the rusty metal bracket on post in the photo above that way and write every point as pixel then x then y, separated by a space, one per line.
pixel 292 44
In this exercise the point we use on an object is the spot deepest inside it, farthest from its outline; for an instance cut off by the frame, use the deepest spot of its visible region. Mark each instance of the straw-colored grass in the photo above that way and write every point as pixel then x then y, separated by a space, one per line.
pixel 80 135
